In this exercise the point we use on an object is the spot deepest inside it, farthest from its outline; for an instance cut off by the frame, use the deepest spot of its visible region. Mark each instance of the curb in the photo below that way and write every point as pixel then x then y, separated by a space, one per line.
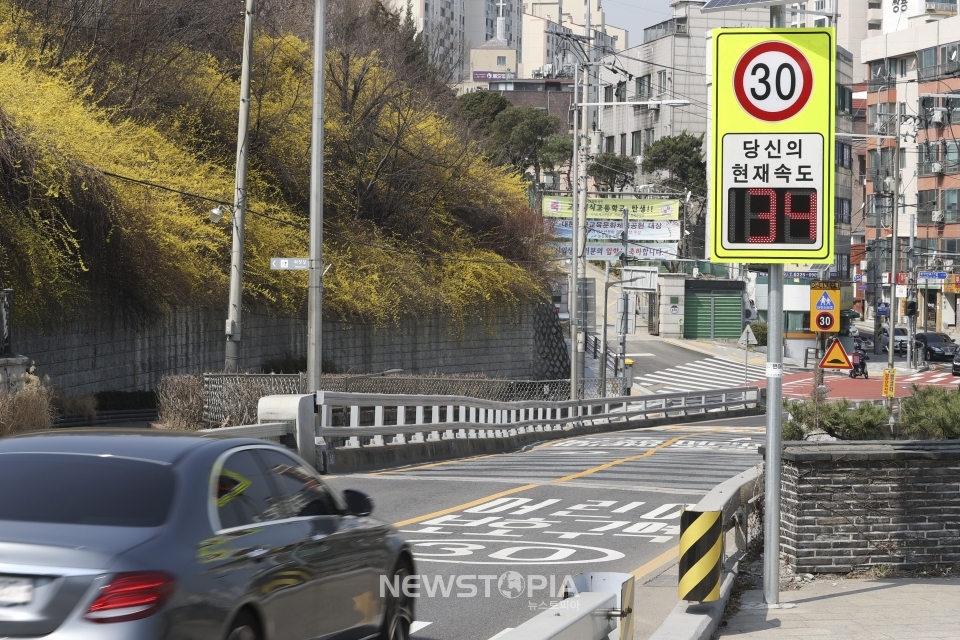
pixel 698 621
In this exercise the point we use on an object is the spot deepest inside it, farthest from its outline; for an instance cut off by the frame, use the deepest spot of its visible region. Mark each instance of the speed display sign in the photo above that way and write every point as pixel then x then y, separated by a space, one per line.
pixel 772 145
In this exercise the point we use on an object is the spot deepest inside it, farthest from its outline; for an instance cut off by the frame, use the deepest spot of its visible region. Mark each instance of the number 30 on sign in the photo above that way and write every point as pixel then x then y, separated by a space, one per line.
pixel 772 145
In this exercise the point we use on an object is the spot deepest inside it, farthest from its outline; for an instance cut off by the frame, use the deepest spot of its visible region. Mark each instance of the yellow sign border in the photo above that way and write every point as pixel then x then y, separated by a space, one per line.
pixel 724 98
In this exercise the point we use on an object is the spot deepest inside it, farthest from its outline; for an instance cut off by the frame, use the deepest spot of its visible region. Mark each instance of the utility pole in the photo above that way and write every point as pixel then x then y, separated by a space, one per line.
pixel 603 355
pixel 625 326
pixel 581 226
pixel 771 520
pixel 235 305
pixel 891 348
pixel 315 291
pixel 576 337
pixel 911 293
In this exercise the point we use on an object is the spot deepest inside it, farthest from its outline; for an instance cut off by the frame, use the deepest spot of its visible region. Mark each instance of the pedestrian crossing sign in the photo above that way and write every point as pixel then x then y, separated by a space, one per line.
pixel 825 303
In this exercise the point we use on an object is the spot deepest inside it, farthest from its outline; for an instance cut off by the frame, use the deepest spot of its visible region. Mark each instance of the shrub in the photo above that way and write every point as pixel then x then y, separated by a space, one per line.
pixel 931 413
pixel 760 332
pixel 29 408
pixel 85 405
pixel 838 419
pixel 180 402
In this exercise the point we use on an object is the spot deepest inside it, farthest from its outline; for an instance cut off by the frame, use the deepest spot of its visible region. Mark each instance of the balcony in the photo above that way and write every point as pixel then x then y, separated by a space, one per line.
pixel 945 8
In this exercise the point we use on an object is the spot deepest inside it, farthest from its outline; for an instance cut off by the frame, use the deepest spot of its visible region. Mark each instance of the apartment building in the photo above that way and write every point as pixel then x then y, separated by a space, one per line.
pixel 857 20
pixel 443 23
pixel 916 70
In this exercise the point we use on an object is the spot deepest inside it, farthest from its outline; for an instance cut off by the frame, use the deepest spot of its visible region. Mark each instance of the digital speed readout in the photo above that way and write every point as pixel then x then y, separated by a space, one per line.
pixel 772 216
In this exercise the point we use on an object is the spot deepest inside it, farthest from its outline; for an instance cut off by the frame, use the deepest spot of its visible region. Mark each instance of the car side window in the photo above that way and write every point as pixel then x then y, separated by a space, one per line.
pixel 243 492
pixel 304 493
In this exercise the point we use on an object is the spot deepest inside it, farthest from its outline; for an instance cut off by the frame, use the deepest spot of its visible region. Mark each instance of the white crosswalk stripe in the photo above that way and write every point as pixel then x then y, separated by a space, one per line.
pixel 701 375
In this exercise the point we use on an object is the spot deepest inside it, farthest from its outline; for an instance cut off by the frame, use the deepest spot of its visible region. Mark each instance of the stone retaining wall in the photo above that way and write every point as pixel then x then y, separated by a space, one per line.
pixel 848 506
pixel 93 354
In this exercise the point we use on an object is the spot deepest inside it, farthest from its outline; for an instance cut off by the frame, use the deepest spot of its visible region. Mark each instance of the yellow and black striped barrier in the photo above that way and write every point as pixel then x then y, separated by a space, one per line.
pixel 700 555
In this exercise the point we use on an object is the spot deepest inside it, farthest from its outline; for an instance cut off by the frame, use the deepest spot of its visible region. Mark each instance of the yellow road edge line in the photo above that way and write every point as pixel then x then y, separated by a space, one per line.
pixel 432 464
pixel 466 505
pixel 656 563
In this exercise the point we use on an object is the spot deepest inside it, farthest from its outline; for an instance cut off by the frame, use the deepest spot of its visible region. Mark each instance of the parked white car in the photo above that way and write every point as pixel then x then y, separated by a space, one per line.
pixel 899 339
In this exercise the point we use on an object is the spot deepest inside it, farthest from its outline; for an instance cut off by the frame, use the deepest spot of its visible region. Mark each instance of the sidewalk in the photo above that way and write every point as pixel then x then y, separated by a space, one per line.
pixel 851 609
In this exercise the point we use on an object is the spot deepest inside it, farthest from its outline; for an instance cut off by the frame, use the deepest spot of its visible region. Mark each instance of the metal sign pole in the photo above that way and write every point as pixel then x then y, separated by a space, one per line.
pixel 574 292
pixel 771 521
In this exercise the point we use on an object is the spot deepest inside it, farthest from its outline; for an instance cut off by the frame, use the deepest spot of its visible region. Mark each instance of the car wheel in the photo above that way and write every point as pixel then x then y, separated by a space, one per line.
pixel 245 627
pixel 399 608
pixel 929 355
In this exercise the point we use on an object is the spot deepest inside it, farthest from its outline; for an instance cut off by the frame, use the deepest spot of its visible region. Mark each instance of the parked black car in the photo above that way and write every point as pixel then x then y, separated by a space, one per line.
pixel 142 535
pixel 935 346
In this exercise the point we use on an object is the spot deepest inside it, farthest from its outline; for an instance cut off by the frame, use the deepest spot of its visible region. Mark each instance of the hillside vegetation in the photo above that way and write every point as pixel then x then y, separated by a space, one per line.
pixel 118 133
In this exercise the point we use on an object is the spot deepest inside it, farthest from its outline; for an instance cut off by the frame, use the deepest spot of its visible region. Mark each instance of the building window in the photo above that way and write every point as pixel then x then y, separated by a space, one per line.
pixel 661 81
pixel 501 61
pixel 643 87
pixel 623 144
pixel 926 63
pixel 608 93
pixel 841 262
pixel 842 210
pixel 636 143
pixel 948 58
pixel 844 100
pixel 609 144
pixel 843 156
pixel 949 205
pixel 622 91
pixel 926 203
pixel 648 137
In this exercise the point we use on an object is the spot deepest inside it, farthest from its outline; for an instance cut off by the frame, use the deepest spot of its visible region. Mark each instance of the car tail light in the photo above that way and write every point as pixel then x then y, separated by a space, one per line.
pixel 131 596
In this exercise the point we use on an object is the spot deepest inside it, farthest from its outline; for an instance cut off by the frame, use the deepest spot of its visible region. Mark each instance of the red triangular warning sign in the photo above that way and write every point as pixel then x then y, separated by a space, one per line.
pixel 835 358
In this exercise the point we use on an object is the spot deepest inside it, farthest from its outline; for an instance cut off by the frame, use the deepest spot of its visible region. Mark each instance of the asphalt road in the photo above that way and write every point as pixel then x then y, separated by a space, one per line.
pixel 492 534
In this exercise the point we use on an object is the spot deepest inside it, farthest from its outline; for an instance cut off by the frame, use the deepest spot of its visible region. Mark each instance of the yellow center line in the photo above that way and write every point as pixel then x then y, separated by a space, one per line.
pixel 467 505
pixel 431 464
pixel 607 465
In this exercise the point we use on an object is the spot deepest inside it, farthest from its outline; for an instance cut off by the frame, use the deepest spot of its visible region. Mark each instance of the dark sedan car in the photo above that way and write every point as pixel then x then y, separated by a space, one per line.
pixel 108 535
pixel 936 346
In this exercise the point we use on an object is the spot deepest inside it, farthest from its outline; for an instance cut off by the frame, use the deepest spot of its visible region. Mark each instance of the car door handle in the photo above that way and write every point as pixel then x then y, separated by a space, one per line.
pixel 256 553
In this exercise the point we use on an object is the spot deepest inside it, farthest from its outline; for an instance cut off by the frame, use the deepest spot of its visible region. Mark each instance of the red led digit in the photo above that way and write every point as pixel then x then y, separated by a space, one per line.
pixel 809 216
pixel 768 214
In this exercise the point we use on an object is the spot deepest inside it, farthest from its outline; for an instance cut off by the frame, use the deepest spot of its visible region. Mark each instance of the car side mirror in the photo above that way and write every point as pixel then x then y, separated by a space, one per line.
pixel 358 503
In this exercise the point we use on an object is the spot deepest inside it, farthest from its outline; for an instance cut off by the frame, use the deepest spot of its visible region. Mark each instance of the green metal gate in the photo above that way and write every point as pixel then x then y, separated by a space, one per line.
pixel 712 315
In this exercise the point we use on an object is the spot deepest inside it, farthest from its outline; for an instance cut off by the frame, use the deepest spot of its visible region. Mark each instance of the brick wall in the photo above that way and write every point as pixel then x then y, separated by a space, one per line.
pixel 848 506
pixel 92 354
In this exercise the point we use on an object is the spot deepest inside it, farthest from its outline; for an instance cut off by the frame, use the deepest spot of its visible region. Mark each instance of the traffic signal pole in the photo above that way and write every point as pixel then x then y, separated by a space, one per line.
pixel 892 344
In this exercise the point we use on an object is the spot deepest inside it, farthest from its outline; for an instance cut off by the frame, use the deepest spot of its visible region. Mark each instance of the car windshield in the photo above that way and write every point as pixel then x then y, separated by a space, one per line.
pixel 937 337
pixel 65 488
pixel 900 331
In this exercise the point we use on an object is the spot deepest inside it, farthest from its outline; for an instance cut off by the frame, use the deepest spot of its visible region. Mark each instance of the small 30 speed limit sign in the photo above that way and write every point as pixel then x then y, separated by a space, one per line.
pixel 773 81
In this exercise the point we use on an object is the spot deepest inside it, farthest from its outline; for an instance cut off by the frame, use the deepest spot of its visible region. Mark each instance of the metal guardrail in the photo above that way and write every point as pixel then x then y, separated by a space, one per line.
pixel 366 416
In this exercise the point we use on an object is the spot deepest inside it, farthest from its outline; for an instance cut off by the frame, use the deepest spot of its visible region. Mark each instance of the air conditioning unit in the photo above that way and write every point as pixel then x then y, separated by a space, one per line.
pixel 936 167
pixel 937 216
pixel 936 117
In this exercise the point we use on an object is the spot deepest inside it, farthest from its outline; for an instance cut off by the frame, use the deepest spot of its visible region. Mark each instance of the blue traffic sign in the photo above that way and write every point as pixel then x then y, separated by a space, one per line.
pixel 932 275
pixel 883 309
pixel 825 303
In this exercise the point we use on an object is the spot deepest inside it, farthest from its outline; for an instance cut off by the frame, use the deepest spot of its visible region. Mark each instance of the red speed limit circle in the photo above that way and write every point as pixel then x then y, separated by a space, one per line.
pixel 773 81
pixel 824 321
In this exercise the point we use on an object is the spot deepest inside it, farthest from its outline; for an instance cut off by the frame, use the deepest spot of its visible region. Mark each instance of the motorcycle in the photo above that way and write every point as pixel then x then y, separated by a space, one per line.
pixel 859 361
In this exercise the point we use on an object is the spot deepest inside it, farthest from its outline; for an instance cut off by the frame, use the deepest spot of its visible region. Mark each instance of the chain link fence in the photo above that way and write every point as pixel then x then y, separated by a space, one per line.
pixel 231 399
